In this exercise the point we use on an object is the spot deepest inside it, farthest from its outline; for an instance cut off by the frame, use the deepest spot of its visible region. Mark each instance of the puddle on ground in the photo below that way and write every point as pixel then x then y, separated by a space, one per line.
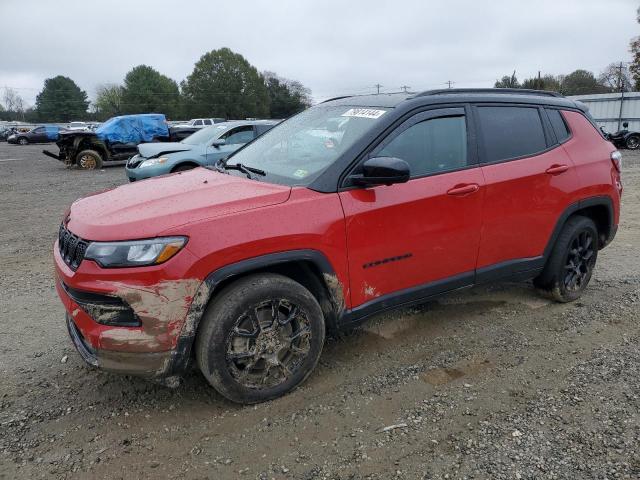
pixel 440 376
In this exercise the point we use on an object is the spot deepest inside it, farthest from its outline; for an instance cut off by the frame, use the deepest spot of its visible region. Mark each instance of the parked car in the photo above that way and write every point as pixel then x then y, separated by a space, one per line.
pixel 202 122
pixel 180 131
pixel 44 134
pixel 244 269
pixel 116 139
pixel 6 132
pixel 205 147
pixel 624 138
pixel 78 126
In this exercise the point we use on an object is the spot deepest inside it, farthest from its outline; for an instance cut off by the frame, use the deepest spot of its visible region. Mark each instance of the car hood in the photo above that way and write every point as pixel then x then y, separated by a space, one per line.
pixel 151 150
pixel 147 209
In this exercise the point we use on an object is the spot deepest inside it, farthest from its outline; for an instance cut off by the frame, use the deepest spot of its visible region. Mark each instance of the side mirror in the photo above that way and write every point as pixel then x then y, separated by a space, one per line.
pixel 625 124
pixel 218 143
pixel 382 171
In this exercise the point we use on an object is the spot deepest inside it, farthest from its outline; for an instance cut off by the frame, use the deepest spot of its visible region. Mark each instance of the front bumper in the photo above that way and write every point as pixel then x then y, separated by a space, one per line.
pixel 134 174
pixel 122 321
pixel 155 365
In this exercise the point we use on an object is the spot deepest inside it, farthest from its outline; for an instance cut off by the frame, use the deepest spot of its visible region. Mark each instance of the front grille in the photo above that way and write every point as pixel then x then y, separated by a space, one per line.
pixel 72 248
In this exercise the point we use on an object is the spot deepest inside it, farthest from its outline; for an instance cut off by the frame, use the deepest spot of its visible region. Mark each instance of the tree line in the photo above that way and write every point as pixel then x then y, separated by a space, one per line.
pixel 222 84
pixel 617 77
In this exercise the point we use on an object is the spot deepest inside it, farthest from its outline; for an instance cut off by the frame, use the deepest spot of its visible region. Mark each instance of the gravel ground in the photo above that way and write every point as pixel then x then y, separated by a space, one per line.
pixel 493 382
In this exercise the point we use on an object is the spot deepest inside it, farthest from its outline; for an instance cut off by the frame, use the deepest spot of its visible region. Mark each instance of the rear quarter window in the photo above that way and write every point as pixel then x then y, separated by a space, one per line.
pixel 511 132
pixel 559 125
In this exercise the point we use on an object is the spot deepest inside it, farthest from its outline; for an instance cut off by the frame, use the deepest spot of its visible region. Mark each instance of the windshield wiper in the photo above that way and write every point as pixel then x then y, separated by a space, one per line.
pixel 221 166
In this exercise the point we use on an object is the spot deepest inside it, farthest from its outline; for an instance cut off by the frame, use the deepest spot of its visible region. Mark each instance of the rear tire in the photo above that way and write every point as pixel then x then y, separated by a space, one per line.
pixel 89 160
pixel 260 338
pixel 573 258
pixel 633 142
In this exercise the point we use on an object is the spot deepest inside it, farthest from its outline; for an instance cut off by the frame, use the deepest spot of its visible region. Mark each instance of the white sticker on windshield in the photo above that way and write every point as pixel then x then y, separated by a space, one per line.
pixel 364 113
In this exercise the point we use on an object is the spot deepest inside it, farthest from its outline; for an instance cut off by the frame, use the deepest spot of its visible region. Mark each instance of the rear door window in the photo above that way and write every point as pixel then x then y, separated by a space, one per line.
pixel 558 124
pixel 510 132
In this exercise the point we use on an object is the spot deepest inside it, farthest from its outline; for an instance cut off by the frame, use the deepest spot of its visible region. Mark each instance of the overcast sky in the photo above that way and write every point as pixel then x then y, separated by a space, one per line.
pixel 333 47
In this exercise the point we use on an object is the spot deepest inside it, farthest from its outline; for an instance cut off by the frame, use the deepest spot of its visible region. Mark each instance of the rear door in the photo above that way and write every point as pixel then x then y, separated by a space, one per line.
pixel 424 233
pixel 529 179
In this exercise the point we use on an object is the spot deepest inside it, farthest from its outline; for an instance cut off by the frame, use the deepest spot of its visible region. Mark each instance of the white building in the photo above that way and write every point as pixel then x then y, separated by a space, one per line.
pixel 609 111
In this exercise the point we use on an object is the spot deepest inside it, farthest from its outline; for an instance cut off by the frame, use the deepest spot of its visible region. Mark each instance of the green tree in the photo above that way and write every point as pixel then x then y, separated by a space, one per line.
pixel 286 97
pixel 146 90
pixel 224 84
pixel 508 81
pixel 61 100
pixel 634 68
pixel 581 82
pixel 547 82
pixel 108 101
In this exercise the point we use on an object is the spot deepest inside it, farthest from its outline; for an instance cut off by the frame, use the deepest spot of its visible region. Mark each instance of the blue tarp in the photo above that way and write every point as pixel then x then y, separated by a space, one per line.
pixel 133 128
pixel 53 132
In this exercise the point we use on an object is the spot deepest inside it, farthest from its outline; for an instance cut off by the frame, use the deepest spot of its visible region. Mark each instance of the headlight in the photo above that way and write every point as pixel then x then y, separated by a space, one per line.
pixel 134 253
pixel 10 137
pixel 153 161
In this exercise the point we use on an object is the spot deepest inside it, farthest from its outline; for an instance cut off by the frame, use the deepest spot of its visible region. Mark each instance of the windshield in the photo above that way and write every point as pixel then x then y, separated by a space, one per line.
pixel 298 150
pixel 205 135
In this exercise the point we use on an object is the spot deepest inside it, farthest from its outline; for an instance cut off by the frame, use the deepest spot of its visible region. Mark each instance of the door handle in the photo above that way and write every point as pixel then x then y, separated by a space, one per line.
pixel 464 189
pixel 557 169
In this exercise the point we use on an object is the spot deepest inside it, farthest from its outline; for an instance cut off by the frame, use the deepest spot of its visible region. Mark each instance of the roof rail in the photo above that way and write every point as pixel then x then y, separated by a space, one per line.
pixel 506 91
pixel 336 98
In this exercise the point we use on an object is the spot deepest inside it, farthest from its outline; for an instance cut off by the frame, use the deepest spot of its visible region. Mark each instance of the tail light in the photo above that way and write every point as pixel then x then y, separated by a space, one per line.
pixel 616 159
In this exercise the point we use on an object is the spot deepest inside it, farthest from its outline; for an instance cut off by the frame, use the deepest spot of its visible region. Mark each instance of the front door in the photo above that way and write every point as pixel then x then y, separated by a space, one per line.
pixel 234 139
pixel 420 237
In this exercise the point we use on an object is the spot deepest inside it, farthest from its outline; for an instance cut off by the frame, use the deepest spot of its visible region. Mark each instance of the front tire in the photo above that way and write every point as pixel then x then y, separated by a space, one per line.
pixel 89 160
pixel 570 266
pixel 260 338
pixel 183 168
pixel 23 141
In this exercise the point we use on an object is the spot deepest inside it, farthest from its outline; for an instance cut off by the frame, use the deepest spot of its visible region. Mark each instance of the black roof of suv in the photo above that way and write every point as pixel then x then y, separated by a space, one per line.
pixel 458 95
pixel 403 105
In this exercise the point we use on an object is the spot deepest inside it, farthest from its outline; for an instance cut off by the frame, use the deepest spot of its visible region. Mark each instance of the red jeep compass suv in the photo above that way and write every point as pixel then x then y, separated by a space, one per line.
pixel 355 206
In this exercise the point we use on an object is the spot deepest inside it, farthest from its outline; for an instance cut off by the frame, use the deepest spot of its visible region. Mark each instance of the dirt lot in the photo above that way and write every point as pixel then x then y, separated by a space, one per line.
pixel 492 382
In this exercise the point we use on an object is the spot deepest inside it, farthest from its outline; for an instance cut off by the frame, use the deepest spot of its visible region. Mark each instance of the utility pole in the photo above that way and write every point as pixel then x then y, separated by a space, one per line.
pixel 378 86
pixel 450 83
pixel 621 88
pixel 405 88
